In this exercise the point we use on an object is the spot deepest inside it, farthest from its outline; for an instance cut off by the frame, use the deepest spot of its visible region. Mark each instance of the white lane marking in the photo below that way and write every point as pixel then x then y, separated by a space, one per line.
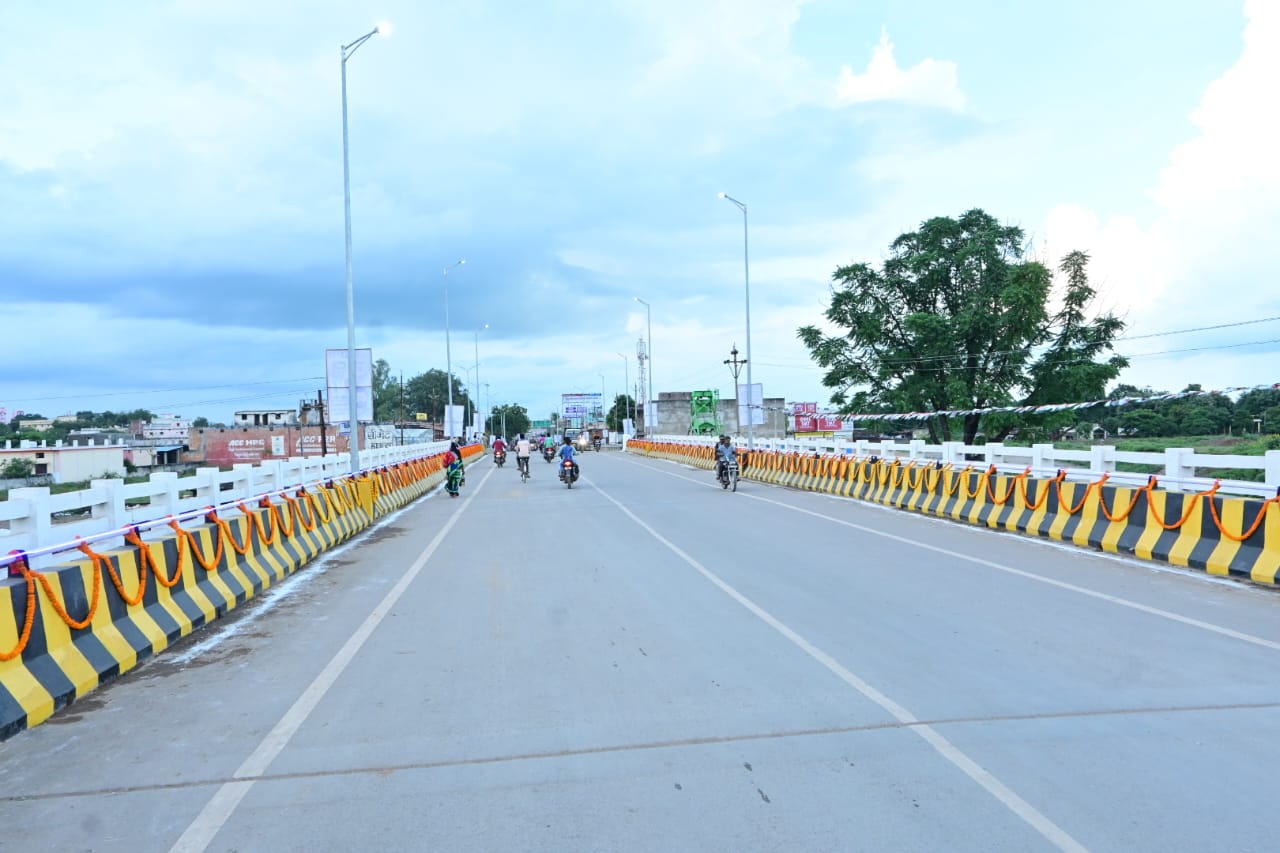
pixel 1053 833
pixel 219 809
pixel 278 594
pixel 1001 567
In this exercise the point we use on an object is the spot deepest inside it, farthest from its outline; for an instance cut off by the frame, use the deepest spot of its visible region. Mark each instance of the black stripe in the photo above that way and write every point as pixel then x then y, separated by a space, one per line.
pixel 1174 505
pixel 1210 535
pixel 179 593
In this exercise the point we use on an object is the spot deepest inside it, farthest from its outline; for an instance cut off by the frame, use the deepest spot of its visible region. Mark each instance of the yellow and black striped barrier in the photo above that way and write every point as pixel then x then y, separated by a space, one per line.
pixel 65 630
pixel 1229 536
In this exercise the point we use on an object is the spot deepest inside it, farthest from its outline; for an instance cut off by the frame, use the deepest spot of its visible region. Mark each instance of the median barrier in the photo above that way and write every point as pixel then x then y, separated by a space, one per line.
pixel 1221 535
pixel 69 628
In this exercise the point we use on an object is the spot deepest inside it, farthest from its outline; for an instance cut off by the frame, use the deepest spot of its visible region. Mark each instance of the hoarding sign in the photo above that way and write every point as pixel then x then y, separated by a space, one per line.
pixel 336 378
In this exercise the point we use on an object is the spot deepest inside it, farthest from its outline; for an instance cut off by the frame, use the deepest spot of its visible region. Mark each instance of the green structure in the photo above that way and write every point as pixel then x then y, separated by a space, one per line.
pixel 705 410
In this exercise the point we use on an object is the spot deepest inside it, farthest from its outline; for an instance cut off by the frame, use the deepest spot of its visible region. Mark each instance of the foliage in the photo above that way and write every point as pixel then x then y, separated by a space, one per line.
pixel 200 423
pixel 18 468
pixel 428 392
pixel 386 394
pixel 623 406
pixel 513 417
pixel 950 321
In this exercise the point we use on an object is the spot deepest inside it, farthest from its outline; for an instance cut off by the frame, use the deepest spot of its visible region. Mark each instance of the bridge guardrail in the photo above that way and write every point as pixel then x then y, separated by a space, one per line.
pixel 65 629
pixel 1220 534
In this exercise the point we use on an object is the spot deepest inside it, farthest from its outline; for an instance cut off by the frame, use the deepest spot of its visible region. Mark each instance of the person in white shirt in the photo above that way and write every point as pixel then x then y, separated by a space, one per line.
pixel 523 448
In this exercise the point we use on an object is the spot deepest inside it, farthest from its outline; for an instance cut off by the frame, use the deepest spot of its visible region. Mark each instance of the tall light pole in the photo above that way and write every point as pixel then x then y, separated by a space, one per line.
pixel 448 356
pixel 603 410
pixel 746 274
pixel 649 429
pixel 626 384
pixel 348 50
pixel 488 405
pixel 479 429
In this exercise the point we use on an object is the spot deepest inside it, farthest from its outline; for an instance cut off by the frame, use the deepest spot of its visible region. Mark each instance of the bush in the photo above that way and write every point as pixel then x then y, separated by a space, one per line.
pixel 16 469
pixel 1273 442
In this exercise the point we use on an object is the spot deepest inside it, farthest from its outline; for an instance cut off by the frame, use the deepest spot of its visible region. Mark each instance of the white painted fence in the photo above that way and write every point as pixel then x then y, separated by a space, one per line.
pixel 31 515
pixel 1178 464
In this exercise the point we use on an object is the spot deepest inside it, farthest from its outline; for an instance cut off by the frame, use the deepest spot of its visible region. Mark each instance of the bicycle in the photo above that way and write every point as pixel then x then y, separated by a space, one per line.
pixel 523 462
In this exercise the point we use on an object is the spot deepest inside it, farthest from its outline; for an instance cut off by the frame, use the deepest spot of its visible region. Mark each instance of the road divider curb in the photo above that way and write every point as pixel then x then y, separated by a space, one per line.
pixel 1221 535
pixel 67 629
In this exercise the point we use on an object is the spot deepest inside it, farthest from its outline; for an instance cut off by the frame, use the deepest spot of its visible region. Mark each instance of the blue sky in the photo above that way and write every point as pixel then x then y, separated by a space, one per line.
pixel 173 178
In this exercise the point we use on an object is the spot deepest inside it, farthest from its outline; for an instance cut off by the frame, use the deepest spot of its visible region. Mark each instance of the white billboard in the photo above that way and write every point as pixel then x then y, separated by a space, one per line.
pixel 453 419
pixel 752 403
pixel 337 380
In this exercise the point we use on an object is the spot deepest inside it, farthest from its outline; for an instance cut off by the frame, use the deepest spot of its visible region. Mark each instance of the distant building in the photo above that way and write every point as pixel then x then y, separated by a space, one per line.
pixel 166 427
pixel 37 424
pixel 266 417
pixel 675 415
pixel 68 464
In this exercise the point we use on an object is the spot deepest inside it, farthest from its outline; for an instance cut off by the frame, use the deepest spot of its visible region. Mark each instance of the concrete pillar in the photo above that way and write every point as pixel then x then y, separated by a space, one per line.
pixel 1179 463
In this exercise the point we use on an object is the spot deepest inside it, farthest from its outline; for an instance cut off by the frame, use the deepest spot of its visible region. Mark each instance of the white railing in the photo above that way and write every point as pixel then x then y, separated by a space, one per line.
pixel 1178 466
pixel 37 520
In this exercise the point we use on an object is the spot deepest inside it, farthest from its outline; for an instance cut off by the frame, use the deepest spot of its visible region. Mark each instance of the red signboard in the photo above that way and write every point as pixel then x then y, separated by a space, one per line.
pixel 830 423
pixel 806 423
pixel 806 408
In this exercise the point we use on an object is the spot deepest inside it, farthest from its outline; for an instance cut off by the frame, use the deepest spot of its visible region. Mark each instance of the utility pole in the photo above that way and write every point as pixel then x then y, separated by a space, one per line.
pixel 402 408
pixel 735 367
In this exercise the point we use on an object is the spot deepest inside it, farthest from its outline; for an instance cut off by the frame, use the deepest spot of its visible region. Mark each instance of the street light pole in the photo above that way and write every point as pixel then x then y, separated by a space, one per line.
pixel 480 429
pixel 448 356
pixel 603 410
pixel 649 429
pixel 746 274
pixel 348 50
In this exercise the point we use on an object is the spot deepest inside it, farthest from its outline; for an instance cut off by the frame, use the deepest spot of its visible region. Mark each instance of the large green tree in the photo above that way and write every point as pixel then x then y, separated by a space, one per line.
pixel 428 392
pixel 958 318
pixel 515 418
pixel 623 406
pixel 386 393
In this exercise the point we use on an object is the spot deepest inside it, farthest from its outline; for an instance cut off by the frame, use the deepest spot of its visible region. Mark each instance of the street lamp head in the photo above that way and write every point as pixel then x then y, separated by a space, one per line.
pixel 722 195
pixel 383 28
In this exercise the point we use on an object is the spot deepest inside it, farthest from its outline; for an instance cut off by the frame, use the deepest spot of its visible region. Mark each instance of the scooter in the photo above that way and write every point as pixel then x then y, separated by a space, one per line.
pixel 548 453
pixel 569 472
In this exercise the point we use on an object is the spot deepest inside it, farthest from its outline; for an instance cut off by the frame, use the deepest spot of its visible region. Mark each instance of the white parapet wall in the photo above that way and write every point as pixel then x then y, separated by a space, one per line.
pixel 1178 465
pixel 33 518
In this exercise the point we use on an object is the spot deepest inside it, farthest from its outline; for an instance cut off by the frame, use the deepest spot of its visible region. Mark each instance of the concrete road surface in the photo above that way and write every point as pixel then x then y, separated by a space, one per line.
pixel 649 663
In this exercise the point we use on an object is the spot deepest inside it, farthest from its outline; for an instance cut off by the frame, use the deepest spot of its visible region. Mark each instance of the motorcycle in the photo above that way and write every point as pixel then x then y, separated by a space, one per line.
pixel 569 472
pixel 729 475
pixel 596 444
pixel 548 453
pixel 500 457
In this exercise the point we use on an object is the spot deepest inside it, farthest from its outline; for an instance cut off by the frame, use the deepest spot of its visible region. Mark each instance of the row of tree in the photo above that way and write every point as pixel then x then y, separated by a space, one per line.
pixel 958 317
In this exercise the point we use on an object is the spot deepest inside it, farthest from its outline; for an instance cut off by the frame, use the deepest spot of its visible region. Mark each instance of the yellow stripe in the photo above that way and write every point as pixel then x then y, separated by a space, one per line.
pixel 1188 533
pixel 1150 529
pixel 1232 517
pixel 1267 564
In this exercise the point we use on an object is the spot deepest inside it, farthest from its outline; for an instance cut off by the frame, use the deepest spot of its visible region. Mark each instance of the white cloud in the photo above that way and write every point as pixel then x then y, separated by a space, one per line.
pixel 1197 261
pixel 931 82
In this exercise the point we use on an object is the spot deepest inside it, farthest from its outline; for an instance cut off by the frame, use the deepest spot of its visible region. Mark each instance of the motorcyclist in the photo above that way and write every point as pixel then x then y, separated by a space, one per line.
pixel 566 455
pixel 725 452
pixel 499 447
pixel 523 448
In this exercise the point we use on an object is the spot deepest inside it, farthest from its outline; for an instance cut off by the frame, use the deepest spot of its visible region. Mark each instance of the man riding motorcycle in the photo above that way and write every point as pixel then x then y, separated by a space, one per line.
pixel 566 457
pixel 499 451
pixel 725 452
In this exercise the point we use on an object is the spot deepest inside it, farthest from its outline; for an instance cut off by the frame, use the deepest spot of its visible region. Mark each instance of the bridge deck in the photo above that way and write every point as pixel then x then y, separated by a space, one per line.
pixel 649 663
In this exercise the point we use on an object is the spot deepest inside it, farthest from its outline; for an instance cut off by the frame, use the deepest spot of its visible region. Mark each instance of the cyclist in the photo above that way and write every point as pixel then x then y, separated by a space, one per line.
pixel 724 453
pixel 523 448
